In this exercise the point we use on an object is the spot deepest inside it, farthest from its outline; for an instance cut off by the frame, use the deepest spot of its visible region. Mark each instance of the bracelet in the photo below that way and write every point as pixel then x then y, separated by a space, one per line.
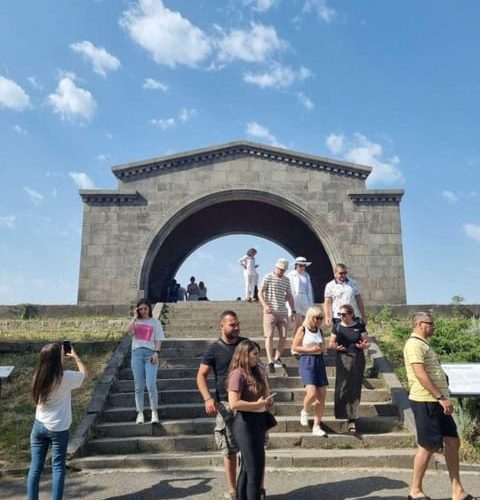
pixel 208 399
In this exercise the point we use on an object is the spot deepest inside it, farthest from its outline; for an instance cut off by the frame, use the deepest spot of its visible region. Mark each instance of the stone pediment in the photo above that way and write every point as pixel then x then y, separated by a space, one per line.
pixel 236 150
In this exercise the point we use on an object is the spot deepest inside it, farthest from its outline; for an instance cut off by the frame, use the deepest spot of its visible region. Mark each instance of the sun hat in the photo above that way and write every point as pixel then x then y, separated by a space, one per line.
pixel 282 264
pixel 302 261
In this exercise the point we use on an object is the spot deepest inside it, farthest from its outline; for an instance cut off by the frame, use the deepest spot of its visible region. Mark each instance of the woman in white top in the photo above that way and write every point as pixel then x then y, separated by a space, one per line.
pixel 302 290
pixel 51 392
pixel 309 344
pixel 250 273
pixel 147 335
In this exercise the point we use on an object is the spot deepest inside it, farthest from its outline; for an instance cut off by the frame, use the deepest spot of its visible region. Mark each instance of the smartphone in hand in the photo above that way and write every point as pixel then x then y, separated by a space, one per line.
pixel 67 347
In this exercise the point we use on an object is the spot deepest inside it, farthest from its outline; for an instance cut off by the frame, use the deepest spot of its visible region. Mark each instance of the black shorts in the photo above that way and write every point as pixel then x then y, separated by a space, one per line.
pixel 432 424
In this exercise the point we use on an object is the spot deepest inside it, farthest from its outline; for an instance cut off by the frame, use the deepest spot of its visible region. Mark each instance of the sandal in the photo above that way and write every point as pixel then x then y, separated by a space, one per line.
pixel 418 498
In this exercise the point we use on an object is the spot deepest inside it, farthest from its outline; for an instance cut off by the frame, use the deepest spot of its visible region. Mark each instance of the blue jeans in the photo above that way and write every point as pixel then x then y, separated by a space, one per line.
pixel 40 440
pixel 144 373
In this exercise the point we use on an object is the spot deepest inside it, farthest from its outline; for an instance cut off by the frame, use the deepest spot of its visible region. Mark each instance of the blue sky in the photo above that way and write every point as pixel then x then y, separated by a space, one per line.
pixel 87 84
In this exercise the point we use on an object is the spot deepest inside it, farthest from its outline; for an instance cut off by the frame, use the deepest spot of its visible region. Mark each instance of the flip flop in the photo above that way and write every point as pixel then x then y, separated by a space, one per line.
pixel 419 498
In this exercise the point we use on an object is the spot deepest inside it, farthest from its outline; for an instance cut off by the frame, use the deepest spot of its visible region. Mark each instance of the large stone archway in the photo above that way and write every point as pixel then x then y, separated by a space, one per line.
pixel 233 212
pixel 135 238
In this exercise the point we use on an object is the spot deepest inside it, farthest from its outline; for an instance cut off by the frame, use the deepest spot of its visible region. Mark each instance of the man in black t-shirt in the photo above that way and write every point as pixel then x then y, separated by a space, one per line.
pixel 217 358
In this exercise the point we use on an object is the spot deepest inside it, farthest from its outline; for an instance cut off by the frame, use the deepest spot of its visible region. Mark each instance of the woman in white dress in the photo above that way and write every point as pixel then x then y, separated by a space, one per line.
pixel 302 290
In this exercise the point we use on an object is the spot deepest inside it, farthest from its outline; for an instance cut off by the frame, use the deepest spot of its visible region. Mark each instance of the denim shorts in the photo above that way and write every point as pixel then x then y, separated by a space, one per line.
pixel 312 370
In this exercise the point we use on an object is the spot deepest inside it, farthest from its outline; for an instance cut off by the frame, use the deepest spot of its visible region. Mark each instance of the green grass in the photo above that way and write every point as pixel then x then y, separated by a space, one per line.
pixel 17 412
pixel 79 328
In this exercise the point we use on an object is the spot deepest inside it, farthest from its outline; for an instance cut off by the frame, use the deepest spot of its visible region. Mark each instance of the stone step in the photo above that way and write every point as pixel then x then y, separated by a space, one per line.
pixel 365 425
pixel 187 351
pixel 191 372
pixel 191 383
pixel 193 396
pixel 284 458
pixel 188 362
pixel 196 410
pixel 279 440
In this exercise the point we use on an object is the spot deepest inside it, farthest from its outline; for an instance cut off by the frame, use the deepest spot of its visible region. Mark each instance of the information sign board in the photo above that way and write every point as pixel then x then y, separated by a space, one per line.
pixel 463 378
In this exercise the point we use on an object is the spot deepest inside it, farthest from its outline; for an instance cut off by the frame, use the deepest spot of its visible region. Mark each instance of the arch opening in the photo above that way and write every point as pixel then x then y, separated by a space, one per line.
pixel 234 216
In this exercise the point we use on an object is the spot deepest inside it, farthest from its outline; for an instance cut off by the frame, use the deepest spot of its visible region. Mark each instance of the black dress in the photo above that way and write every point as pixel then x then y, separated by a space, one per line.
pixel 350 366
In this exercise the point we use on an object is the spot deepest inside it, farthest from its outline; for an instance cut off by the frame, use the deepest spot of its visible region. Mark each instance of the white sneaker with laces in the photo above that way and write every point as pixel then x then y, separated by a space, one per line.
pixel 304 418
pixel 155 419
pixel 317 431
pixel 140 418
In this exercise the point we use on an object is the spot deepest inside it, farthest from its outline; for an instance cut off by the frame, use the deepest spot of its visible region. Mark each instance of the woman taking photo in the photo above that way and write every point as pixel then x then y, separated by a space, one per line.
pixel 310 345
pixel 349 338
pixel 51 393
pixel 249 396
pixel 147 336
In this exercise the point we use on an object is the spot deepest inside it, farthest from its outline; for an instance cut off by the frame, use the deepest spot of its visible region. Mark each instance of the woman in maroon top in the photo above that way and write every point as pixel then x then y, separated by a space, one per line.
pixel 249 396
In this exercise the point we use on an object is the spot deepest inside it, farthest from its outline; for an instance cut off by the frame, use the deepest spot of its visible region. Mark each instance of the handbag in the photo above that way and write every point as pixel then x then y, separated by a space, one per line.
pixel 270 421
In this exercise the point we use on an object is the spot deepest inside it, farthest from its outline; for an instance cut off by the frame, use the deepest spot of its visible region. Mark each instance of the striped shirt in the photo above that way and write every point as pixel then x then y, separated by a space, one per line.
pixel 275 290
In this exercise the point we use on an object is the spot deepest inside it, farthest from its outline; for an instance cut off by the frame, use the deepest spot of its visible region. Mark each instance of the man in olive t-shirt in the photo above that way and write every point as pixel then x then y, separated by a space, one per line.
pixel 429 399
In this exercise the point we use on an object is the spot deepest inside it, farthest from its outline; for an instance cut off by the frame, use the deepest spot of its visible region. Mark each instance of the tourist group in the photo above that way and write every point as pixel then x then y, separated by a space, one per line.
pixel 243 402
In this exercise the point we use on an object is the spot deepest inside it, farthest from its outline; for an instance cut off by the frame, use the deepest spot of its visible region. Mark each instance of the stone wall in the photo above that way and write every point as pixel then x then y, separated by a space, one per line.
pixel 121 229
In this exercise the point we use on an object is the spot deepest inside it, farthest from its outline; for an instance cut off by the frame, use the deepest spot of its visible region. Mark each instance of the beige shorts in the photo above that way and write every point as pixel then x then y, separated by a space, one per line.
pixel 272 321
pixel 223 431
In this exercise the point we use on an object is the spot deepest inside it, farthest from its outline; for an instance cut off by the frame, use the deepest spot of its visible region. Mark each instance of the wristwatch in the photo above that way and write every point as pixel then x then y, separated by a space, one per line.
pixel 441 398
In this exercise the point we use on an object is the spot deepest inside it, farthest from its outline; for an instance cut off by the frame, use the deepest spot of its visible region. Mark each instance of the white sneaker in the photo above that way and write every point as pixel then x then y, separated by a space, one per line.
pixel 155 419
pixel 304 418
pixel 317 431
pixel 140 418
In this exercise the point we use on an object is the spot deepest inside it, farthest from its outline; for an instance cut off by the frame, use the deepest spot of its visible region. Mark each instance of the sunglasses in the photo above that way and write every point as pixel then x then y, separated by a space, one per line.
pixel 318 317
pixel 342 315
pixel 342 273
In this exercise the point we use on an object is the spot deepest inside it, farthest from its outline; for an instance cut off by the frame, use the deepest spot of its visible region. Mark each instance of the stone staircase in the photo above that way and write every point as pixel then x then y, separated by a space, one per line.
pixel 184 437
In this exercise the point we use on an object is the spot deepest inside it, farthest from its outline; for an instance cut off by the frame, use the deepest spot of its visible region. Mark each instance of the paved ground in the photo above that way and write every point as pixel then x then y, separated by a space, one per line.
pixel 331 484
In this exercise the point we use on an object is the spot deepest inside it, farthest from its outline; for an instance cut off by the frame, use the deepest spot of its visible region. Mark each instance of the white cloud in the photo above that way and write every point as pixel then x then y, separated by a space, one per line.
pixel 277 77
pixel 82 180
pixel 35 197
pixel 33 82
pixel 102 157
pixel 335 143
pixel 152 84
pixel 365 152
pixel 261 5
pixel 19 129
pixel 258 131
pixel 163 123
pixel 70 101
pixel 165 34
pixel 320 8
pixel 186 115
pixel 102 61
pixel 254 45
pixel 305 101
pixel 8 221
pixel 12 96
pixel 449 196
pixel 472 231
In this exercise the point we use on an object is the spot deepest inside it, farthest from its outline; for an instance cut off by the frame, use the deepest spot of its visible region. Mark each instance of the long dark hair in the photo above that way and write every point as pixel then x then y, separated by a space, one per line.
pixel 256 377
pixel 48 374
pixel 145 302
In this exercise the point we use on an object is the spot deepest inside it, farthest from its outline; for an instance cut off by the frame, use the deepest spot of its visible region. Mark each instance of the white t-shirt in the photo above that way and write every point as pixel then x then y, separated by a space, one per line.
pixel 146 333
pixel 341 294
pixel 56 413
pixel 248 264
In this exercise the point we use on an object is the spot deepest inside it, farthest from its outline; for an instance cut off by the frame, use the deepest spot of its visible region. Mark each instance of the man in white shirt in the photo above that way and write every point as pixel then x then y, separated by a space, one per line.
pixel 340 291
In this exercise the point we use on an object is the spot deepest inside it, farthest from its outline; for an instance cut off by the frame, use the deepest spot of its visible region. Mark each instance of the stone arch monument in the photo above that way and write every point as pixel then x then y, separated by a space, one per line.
pixel 135 238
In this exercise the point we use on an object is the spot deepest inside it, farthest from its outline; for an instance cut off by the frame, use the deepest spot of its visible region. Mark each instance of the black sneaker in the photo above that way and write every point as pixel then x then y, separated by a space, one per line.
pixel 279 363
pixel 271 368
